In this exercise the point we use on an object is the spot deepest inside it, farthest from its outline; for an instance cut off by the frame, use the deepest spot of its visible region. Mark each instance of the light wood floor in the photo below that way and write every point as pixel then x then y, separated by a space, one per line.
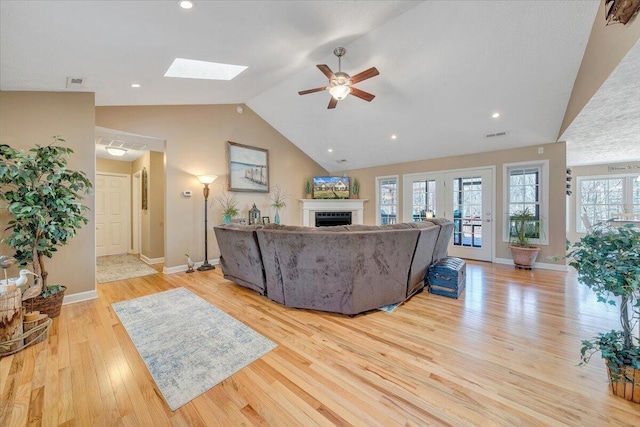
pixel 503 354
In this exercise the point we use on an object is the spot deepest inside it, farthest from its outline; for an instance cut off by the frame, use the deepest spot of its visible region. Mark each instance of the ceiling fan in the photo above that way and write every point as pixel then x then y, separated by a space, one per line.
pixel 341 84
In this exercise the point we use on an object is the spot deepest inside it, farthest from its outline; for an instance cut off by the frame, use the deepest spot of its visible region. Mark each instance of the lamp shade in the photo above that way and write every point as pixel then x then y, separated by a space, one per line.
pixel 207 179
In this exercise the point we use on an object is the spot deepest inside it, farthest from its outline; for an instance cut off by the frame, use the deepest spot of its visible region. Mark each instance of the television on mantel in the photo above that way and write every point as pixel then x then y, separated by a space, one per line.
pixel 331 187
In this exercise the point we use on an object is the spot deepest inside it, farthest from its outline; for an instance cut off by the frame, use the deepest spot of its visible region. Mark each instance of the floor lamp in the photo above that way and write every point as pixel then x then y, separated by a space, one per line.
pixel 206 180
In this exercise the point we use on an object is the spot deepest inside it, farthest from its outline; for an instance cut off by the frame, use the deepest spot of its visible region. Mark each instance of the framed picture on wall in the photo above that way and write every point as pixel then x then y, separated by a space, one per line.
pixel 248 168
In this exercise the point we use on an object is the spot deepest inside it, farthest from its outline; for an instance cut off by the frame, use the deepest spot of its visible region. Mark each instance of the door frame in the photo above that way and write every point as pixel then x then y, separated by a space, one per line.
pixel 407 200
pixel 128 215
pixel 136 194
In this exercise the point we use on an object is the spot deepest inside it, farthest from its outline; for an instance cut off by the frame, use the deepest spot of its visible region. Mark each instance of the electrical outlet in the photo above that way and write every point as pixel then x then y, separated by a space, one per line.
pixel 540 150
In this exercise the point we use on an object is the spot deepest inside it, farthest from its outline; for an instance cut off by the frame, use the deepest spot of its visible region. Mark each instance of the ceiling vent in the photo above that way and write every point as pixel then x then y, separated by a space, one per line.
pixel 493 135
pixel 341 161
pixel 75 82
pixel 108 142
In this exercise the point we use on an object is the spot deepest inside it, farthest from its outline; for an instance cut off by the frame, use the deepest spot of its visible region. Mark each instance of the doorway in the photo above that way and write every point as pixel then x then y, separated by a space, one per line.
pixel 465 197
pixel 113 211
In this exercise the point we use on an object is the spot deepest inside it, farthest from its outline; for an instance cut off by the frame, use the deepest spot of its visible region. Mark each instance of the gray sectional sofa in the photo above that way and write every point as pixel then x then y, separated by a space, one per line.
pixel 344 269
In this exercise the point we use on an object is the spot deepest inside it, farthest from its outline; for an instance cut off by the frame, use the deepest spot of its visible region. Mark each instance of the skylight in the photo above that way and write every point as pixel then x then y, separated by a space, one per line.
pixel 193 69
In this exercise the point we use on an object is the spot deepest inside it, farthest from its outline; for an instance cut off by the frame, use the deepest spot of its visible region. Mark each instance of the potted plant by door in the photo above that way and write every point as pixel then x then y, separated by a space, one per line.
pixel 523 227
pixel 608 262
pixel 43 196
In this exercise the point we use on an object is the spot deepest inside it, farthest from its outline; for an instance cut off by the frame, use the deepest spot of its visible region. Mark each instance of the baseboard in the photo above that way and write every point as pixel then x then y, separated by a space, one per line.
pixel 539 265
pixel 79 297
pixel 151 261
pixel 180 268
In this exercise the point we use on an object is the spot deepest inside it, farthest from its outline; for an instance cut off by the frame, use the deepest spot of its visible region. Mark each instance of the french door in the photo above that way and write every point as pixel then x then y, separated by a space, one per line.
pixel 465 197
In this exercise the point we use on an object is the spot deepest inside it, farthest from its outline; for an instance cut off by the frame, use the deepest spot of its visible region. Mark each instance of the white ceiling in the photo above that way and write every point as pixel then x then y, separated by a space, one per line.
pixel 135 145
pixel 445 66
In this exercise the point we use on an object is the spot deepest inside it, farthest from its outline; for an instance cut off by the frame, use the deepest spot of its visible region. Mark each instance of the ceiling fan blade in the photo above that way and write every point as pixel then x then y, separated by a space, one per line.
pixel 362 94
pixel 366 74
pixel 326 71
pixel 318 89
pixel 332 103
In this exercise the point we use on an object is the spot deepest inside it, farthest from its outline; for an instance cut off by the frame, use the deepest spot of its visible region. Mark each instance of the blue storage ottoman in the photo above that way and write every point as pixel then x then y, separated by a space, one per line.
pixel 447 277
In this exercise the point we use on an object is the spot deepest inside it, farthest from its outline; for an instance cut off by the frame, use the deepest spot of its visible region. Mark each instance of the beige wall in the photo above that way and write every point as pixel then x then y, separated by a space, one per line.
pixel 196 139
pixel 152 219
pixel 29 118
pixel 606 47
pixel 113 166
pixel 591 170
pixel 555 153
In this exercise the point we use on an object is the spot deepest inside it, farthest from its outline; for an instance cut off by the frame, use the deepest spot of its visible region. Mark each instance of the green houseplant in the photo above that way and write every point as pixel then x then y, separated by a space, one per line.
pixel 355 188
pixel 229 206
pixel 523 227
pixel 308 188
pixel 278 201
pixel 608 262
pixel 43 196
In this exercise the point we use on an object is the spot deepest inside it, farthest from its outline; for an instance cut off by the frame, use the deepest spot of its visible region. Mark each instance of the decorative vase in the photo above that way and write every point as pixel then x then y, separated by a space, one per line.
pixel 226 218
pixel 276 217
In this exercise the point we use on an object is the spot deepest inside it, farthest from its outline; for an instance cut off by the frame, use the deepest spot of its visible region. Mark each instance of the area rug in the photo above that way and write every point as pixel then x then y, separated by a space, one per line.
pixel 188 345
pixel 119 267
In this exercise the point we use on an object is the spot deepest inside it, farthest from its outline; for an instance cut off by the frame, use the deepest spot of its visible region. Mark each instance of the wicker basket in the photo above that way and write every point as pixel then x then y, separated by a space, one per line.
pixel 33 336
pixel 49 306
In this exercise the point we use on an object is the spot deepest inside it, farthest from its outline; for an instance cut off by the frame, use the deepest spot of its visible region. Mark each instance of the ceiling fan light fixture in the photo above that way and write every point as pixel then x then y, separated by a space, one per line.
pixel 340 92
pixel 116 151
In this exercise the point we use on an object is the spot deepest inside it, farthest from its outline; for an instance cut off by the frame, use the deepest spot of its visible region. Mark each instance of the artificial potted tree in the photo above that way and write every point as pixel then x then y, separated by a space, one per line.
pixel 608 262
pixel 43 196
pixel 523 227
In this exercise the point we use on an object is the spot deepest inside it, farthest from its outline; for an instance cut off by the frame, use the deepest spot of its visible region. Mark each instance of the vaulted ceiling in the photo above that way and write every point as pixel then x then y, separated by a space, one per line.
pixel 445 66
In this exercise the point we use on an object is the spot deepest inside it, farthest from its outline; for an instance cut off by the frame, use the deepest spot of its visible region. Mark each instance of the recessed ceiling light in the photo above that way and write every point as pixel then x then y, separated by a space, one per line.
pixel 186 4
pixel 394 136
pixel 330 150
pixel 194 69
pixel 136 85
pixel 495 115
pixel 116 151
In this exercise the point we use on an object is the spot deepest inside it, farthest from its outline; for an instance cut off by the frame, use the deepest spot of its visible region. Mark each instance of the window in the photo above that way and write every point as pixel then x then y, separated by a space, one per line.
pixel 387 200
pixel 600 198
pixel 526 188
pixel 424 199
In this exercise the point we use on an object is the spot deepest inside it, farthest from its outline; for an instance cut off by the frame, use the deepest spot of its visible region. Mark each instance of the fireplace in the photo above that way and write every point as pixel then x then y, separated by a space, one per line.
pixel 354 207
pixel 327 219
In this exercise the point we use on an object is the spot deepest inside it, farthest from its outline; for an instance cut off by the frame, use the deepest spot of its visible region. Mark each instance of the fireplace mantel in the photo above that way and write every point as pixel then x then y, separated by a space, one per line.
pixel 311 206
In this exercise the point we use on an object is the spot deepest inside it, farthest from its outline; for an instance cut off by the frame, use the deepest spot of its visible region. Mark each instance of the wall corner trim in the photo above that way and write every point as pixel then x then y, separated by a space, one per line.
pixel 540 265
pixel 79 297
pixel 151 261
pixel 180 268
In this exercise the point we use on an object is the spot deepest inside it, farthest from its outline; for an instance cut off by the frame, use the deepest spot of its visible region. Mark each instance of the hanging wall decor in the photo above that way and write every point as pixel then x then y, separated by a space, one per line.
pixel 144 189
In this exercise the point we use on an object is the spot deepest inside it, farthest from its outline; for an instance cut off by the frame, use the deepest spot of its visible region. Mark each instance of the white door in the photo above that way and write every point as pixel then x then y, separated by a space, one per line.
pixel 465 197
pixel 112 214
